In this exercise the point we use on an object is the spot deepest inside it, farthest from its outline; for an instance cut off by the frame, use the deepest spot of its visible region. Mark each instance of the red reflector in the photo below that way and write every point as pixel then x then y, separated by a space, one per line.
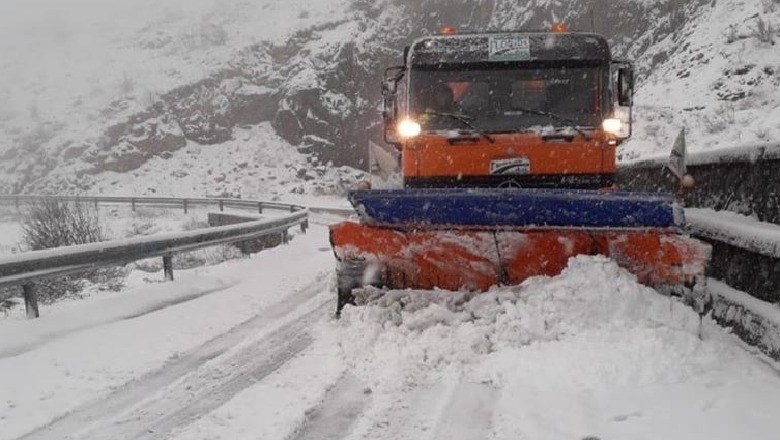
pixel 560 27
pixel 447 30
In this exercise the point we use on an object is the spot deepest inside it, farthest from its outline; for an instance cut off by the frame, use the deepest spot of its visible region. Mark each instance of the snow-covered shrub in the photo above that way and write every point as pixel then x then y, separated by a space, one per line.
pixel 721 119
pixel 6 304
pixel 53 223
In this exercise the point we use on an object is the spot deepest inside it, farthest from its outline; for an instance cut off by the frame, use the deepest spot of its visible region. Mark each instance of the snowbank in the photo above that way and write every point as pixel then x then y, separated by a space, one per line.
pixel 589 352
pixel 592 296
pixel 147 299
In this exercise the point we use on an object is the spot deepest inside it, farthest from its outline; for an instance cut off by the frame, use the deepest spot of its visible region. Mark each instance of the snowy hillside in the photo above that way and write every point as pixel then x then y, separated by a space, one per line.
pixel 95 89
pixel 72 72
pixel 719 78
pixel 234 169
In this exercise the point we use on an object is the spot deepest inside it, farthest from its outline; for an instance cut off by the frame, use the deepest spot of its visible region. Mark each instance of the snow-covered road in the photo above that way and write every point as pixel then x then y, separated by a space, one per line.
pixel 589 353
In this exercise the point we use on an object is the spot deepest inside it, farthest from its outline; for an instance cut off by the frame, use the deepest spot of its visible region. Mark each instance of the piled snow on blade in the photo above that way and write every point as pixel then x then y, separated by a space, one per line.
pixel 596 310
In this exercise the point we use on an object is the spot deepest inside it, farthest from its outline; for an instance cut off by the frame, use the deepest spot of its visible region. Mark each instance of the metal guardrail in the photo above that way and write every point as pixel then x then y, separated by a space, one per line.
pixel 184 203
pixel 25 268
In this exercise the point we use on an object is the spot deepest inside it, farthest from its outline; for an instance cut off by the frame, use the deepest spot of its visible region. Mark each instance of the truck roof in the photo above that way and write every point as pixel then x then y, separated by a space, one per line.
pixel 508 47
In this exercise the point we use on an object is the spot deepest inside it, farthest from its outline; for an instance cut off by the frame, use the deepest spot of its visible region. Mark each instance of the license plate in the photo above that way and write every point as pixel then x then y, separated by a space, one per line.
pixel 511 166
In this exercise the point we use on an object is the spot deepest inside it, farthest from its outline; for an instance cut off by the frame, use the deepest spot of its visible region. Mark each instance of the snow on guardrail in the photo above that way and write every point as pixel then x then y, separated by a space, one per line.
pixel 735 229
pixel 746 153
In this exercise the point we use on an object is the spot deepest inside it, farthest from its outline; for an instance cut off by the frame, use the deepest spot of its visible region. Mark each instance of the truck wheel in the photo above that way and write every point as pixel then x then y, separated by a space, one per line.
pixel 349 276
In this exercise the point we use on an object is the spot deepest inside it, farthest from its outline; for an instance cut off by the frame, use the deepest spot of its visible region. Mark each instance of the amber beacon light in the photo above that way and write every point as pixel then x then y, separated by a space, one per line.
pixel 559 27
pixel 447 30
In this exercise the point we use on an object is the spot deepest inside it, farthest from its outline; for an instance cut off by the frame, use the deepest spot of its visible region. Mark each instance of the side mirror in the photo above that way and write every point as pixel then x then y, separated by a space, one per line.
pixel 622 87
pixel 389 112
pixel 389 86
pixel 389 103
pixel 625 86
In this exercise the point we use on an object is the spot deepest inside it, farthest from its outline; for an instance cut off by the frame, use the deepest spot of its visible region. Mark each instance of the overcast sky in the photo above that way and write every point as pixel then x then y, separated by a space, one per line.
pixel 21 18
pixel 40 39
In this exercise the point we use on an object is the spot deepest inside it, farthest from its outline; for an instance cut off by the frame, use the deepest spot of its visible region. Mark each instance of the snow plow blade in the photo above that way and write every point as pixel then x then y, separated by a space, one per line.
pixel 475 239
pixel 514 208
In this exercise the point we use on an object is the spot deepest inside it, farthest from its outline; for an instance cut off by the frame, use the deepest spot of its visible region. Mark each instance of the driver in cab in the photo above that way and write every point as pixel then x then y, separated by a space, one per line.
pixel 439 105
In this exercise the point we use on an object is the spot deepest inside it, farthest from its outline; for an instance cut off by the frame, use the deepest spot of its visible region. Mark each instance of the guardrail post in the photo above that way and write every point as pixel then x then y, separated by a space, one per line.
pixel 168 267
pixel 244 247
pixel 16 201
pixel 259 207
pixel 304 225
pixel 292 208
pixel 286 236
pixel 30 300
pixel 221 206
pixel 185 206
pixel 132 202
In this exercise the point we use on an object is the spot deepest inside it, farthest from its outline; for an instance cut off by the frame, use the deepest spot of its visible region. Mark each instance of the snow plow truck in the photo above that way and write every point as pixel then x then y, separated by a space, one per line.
pixel 507 147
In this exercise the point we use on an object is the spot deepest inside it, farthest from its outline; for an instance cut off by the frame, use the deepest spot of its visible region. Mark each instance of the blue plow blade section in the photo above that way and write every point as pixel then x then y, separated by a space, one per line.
pixel 515 209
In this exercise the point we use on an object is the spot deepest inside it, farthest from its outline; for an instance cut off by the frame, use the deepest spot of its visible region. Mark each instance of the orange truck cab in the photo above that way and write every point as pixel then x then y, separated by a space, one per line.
pixel 505 139
pixel 509 109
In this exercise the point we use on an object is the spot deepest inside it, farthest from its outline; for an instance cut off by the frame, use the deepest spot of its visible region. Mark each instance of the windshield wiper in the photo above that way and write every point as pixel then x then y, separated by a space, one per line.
pixel 463 119
pixel 571 123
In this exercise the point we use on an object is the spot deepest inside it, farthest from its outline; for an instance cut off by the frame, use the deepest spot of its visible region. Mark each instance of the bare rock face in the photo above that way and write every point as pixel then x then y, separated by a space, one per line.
pixel 156 135
pixel 127 146
pixel 202 110
pixel 296 115
pixel 329 102
pixel 205 112
pixel 252 104
pixel 121 163
pixel 209 110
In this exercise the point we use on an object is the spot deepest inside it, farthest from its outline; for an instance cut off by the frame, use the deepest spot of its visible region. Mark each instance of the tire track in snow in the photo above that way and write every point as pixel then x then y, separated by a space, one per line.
pixel 198 381
pixel 343 405
pixel 447 409
pixel 468 414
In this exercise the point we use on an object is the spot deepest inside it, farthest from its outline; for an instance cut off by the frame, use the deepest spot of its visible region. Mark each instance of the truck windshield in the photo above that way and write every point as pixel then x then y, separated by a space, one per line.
pixel 505 99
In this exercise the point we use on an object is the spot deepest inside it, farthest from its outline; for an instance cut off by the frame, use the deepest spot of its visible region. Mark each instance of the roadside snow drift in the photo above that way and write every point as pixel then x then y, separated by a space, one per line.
pixel 589 352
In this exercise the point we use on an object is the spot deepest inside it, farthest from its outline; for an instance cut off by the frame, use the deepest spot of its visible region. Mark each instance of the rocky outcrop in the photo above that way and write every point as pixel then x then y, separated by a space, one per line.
pixel 205 113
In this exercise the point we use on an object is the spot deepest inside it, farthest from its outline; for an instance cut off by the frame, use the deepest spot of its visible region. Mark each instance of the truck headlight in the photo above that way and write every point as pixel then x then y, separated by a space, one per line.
pixel 612 125
pixel 408 128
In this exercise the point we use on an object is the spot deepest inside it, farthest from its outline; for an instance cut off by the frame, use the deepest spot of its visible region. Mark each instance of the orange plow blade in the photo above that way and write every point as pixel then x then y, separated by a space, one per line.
pixel 477 260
